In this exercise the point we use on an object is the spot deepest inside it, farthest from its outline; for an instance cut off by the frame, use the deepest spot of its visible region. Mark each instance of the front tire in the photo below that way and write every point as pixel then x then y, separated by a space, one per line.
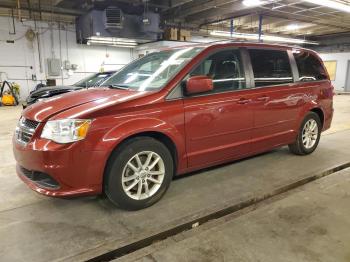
pixel 308 136
pixel 138 173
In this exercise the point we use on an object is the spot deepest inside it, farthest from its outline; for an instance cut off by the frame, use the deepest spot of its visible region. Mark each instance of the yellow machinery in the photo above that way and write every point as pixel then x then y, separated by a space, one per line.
pixel 8 100
pixel 9 97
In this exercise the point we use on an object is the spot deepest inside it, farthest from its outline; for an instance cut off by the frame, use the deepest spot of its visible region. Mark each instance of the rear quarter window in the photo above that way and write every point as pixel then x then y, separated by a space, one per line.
pixel 270 67
pixel 309 67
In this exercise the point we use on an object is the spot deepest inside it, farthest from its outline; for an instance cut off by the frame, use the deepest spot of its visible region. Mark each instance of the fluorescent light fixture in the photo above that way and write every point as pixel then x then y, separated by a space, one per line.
pixel 331 4
pixel 269 38
pixel 112 41
pixel 114 44
pixel 292 27
pixel 219 22
pixel 252 3
pixel 235 35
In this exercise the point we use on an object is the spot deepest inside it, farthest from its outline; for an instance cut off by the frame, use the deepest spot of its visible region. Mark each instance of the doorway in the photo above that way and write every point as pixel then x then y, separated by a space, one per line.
pixel 347 78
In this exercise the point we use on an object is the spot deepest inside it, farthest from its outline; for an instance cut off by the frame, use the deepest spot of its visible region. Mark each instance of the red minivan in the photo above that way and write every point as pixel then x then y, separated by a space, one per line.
pixel 172 112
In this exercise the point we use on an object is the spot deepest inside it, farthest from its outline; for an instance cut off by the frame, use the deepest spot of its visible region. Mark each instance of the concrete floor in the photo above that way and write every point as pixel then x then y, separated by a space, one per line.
pixel 37 228
pixel 308 224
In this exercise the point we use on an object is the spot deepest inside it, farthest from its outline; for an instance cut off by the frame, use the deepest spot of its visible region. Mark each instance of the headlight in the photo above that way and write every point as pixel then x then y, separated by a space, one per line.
pixel 66 130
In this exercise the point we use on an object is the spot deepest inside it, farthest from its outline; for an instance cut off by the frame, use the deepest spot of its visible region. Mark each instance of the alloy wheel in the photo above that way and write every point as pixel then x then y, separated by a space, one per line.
pixel 143 175
pixel 310 133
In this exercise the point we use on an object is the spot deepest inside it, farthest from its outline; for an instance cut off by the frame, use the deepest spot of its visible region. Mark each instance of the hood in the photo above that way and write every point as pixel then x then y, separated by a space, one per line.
pixel 51 90
pixel 99 97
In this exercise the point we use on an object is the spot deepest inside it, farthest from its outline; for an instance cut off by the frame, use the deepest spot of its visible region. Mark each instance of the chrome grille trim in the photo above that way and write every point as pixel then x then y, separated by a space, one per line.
pixel 30 124
pixel 25 130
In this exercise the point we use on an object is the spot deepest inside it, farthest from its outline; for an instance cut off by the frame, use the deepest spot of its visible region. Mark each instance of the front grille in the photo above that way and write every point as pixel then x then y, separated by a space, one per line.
pixel 41 179
pixel 25 130
pixel 31 123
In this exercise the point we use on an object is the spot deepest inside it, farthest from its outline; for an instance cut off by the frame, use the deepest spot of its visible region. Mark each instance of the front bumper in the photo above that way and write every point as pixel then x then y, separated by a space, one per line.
pixel 76 171
pixel 61 192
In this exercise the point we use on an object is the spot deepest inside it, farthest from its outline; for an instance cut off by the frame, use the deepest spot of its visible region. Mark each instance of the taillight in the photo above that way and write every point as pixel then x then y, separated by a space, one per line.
pixel 328 92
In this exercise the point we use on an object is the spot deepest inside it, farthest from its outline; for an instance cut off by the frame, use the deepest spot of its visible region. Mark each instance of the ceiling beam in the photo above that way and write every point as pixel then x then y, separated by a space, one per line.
pixel 170 3
pixel 44 8
pixel 304 18
pixel 45 16
pixel 267 11
pixel 201 13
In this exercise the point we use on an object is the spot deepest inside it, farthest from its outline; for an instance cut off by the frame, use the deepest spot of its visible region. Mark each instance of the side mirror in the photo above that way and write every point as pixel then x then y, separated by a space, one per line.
pixel 199 84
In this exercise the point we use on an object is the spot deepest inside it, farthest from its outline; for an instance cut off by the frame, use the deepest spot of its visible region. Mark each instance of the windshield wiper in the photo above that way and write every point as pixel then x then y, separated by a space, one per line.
pixel 123 87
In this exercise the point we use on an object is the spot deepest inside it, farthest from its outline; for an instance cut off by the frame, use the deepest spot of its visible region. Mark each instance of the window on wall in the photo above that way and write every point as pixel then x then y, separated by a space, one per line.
pixel 331 67
pixel 270 67
pixel 225 69
pixel 310 68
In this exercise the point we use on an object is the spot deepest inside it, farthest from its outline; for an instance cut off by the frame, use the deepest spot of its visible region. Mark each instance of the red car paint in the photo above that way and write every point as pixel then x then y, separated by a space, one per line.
pixel 206 130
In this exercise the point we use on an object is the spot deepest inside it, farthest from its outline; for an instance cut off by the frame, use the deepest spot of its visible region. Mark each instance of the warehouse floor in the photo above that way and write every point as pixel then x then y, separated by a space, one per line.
pixel 305 224
pixel 308 224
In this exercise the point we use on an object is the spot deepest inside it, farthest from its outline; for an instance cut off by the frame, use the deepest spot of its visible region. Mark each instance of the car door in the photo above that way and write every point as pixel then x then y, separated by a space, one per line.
pixel 277 100
pixel 219 123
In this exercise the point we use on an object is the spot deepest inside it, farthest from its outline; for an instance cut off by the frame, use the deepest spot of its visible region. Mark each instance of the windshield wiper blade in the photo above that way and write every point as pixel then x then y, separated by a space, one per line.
pixel 119 87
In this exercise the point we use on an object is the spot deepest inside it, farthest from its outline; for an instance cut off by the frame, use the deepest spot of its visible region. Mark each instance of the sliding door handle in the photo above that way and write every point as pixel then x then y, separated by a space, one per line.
pixel 263 98
pixel 243 101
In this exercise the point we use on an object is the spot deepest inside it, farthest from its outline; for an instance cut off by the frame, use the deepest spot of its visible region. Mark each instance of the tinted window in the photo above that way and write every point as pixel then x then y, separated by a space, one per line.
pixel 310 68
pixel 225 68
pixel 270 67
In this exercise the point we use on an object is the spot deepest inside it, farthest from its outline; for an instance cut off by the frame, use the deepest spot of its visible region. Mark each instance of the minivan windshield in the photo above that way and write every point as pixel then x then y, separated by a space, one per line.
pixel 153 71
pixel 94 80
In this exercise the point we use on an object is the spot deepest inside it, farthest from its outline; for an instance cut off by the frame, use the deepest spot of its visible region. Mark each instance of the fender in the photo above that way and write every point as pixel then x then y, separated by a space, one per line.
pixel 310 105
pixel 124 130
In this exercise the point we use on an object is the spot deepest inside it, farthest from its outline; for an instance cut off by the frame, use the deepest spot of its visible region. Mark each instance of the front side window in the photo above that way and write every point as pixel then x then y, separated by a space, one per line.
pixel 152 72
pixel 224 68
pixel 270 67
pixel 310 68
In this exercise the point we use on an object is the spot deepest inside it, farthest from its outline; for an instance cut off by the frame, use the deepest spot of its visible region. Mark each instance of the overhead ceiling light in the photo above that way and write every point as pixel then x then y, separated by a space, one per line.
pixel 112 41
pixel 235 35
pixel 331 4
pixel 219 23
pixel 252 3
pixel 292 27
pixel 269 38
pixel 115 44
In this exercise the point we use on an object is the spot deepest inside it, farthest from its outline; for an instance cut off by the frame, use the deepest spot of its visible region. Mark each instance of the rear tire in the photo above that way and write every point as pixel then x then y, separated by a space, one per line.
pixel 308 136
pixel 138 173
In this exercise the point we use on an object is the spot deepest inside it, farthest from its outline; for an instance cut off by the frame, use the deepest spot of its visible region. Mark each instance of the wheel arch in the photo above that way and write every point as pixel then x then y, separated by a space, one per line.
pixel 320 114
pixel 158 135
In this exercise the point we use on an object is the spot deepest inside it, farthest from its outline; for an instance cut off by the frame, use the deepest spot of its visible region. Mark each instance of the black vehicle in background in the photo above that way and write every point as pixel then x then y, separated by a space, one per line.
pixel 50 91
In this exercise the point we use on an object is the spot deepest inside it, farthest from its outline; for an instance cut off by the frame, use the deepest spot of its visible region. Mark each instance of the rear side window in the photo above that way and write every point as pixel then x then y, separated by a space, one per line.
pixel 270 67
pixel 310 68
